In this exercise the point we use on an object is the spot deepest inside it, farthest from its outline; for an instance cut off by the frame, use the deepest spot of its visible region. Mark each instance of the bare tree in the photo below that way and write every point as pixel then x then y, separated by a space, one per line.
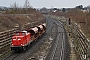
pixel 27 4
pixel 14 6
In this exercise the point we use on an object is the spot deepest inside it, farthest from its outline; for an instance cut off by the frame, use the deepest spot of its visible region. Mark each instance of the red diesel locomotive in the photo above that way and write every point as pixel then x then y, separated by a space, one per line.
pixel 23 38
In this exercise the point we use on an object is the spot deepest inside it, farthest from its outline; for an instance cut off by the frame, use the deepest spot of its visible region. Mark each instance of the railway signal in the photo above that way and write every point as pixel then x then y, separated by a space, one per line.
pixel 69 21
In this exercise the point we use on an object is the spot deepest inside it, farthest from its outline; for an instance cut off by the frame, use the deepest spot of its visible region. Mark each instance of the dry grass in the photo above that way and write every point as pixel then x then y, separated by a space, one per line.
pixel 10 21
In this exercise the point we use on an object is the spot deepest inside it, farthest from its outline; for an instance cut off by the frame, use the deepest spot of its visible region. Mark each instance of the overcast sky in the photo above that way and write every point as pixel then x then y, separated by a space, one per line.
pixel 47 3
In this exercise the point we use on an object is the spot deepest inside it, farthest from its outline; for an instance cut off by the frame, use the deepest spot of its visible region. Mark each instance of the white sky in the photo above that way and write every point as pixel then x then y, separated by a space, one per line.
pixel 47 3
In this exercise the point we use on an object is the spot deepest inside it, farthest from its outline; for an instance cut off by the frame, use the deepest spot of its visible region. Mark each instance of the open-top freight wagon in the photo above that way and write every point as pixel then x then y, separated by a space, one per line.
pixel 22 39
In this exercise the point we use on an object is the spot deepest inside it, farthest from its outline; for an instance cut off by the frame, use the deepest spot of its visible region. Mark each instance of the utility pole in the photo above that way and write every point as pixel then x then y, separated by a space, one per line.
pixel 86 27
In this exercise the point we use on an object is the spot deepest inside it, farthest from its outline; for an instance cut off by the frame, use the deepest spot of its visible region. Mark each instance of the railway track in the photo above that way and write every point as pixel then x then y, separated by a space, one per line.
pixel 58 48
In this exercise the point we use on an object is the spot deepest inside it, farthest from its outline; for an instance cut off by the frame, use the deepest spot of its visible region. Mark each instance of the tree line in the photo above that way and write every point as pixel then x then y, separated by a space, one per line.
pixel 16 9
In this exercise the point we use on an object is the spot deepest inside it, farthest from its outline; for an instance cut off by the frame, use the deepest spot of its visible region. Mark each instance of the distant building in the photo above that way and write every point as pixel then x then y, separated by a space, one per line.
pixel 85 10
pixel 44 10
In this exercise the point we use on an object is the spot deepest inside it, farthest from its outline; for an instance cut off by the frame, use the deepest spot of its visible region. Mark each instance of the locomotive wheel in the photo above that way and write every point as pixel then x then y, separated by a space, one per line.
pixel 24 48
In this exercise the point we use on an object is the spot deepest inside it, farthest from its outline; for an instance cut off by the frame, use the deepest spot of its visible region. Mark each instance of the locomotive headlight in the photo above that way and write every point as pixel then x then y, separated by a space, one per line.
pixel 12 44
pixel 21 44
pixel 14 39
pixel 19 39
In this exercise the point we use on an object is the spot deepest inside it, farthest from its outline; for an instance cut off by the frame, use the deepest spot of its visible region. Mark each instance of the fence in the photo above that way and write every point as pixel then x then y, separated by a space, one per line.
pixel 80 41
pixel 5 40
